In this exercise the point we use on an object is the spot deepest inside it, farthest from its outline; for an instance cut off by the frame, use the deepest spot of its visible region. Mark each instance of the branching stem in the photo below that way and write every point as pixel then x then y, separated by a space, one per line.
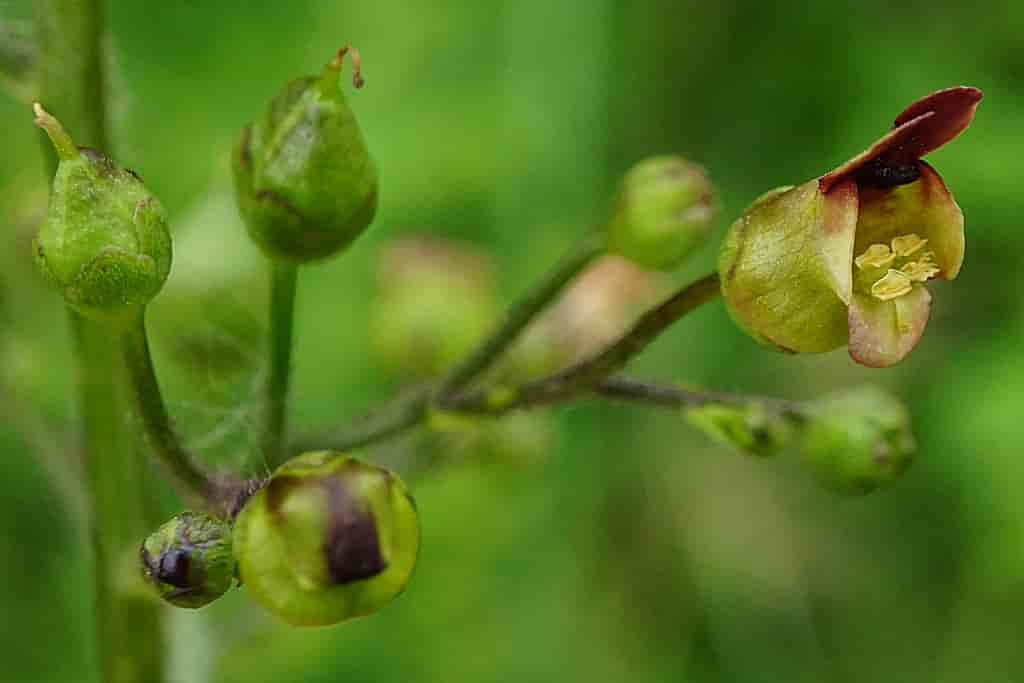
pixel 585 375
pixel 519 316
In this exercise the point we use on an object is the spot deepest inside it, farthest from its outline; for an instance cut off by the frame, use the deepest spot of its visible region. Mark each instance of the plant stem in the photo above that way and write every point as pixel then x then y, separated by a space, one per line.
pixel 190 480
pixel 583 376
pixel 282 314
pixel 129 629
pixel 519 316
pixel 385 422
pixel 667 396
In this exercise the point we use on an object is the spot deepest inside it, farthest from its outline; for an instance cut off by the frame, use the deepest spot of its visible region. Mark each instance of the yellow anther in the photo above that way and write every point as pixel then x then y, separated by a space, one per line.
pixel 893 284
pixel 920 271
pixel 875 256
pixel 905 245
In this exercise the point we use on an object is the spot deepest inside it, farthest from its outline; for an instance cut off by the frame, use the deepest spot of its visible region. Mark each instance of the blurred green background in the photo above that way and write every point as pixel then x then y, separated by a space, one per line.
pixel 629 549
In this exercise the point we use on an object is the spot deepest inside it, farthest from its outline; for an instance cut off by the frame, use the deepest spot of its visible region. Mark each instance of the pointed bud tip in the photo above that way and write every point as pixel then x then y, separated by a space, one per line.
pixel 334 66
pixel 62 142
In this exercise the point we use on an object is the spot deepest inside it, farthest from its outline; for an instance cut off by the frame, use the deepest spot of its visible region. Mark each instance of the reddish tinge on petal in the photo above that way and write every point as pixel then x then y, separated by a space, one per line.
pixel 882 333
pixel 953 109
pixel 925 125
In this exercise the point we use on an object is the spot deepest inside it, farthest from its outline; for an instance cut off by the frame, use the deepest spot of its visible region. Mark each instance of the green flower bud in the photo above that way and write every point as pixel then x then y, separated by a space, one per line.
pixel 329 538
pixel 857 441
pixel 750 427
pixel 105 241
pixel 843 259
pixel 665 210
pixel 435 301
pixel 189 559
pixel 305 182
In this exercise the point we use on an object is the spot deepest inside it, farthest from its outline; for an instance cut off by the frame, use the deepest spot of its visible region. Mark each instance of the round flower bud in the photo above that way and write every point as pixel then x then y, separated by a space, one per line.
pixel 189 559
pixel 665 210
pixel 329 538
pixel 105 241
pixel 857 441
pixel 305 182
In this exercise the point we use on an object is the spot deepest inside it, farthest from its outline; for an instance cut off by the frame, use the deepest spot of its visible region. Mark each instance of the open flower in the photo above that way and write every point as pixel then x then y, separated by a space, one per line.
pixel 843 258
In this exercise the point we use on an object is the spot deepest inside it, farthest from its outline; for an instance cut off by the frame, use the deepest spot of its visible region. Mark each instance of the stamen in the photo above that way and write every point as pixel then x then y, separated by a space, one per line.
pixel 893 285
pixel 875 256
pixel 920 271
pixel 905 245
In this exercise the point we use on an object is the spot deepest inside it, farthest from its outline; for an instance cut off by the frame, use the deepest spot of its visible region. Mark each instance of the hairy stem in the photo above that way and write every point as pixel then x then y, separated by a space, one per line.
pixel 519 316
pixel 129 629
pixel 583 376
pixel 282 314
pixel 190 480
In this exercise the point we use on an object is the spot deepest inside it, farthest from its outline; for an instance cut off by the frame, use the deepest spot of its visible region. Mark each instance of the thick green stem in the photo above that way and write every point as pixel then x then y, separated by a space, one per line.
pixel 282 314
pixel 190 480
pixel 520 315
pixel 129 628
pixel 584 376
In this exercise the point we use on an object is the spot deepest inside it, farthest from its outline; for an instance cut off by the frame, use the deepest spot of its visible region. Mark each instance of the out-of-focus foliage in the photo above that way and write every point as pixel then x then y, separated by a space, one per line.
pixel 634 549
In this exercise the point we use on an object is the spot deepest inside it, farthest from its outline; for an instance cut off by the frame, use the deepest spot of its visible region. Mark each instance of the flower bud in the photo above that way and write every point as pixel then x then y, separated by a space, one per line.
pixel 857 441
pixel 750 428
pixel 329 538
pixel 305 182
pixel 189 559
pixel 665 210
pixel 105 241
pixel 435 301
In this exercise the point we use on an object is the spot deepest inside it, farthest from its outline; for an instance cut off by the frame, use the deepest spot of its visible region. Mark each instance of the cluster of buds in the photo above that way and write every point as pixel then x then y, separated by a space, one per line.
pixel 854 441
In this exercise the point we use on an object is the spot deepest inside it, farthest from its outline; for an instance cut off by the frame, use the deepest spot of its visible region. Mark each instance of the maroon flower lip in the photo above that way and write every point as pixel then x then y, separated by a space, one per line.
pixel 922 127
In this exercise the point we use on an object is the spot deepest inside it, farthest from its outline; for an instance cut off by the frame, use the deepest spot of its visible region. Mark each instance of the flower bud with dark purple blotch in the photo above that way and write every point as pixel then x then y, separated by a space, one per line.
pixel 329 538
pixel 189 559
pixel 305 182
pixel 858 440
pixel 105 242
pixel 843 259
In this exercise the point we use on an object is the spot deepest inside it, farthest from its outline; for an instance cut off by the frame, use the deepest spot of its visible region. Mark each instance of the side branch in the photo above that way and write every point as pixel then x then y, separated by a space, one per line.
pixel 190 479
pixel 519 316
pixel 583 376
pixel 674 398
